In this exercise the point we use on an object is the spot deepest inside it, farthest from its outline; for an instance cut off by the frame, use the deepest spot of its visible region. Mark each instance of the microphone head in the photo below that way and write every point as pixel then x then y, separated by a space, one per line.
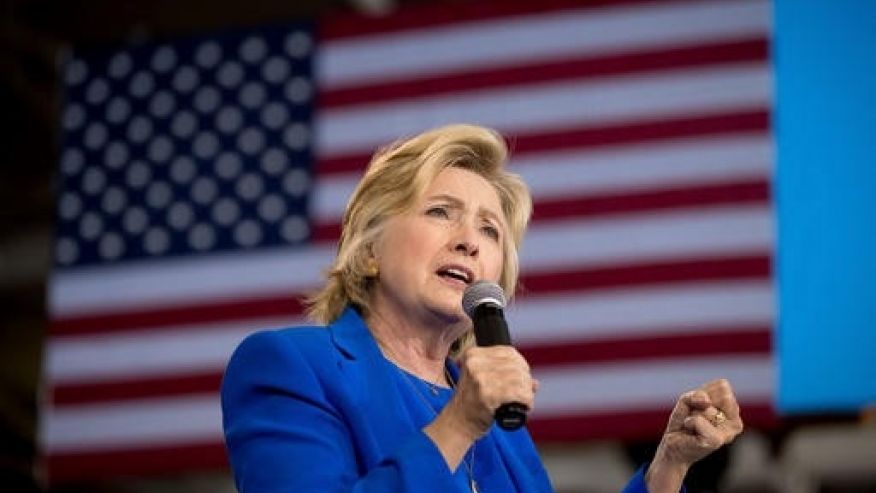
pixel 480 292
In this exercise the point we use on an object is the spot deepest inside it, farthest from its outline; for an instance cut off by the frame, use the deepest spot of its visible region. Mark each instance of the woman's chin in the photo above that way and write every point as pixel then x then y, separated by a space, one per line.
pixel 449 311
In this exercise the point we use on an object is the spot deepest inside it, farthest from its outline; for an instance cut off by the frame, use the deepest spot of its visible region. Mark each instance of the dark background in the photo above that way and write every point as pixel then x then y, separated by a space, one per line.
pixel 36 36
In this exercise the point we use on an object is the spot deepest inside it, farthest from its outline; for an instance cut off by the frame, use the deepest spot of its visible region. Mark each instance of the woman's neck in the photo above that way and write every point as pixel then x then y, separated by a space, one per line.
pixel 417 349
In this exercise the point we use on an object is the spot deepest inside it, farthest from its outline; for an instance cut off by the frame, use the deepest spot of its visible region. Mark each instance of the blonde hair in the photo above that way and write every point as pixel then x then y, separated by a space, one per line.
pixel 394 181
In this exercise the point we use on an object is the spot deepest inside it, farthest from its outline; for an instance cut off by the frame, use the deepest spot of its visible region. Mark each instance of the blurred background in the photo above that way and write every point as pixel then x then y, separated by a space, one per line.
pixel 174 174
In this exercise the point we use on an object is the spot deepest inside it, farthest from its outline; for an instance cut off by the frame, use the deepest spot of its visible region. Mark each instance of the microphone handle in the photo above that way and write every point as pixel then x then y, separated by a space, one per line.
pixel 511 416
pixel 491 330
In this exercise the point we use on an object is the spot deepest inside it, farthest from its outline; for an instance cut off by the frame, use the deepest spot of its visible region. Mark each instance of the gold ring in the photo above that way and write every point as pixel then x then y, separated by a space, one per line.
pixel 719 418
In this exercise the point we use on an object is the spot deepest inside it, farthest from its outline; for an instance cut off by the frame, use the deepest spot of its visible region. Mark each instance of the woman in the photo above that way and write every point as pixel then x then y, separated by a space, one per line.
pixel 391 394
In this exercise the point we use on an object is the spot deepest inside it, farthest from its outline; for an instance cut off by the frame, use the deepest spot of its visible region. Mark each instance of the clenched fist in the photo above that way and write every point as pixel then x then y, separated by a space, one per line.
pixel 703 420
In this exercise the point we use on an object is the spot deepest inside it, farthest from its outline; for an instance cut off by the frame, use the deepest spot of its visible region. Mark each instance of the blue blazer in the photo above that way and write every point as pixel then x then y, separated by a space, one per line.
pixel 316 409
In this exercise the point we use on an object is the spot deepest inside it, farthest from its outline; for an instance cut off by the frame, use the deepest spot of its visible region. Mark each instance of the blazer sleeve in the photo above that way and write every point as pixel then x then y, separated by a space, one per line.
pixel 283 434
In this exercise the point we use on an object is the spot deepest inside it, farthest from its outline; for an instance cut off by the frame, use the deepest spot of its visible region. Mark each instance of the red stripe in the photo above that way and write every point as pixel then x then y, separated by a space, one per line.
pixel 755 191
pixel 742 267
pixel 624 424
pixel 744 340
pixel 438 14
pixel 580 68
pixel 743 192
pixel 195 313
pixel 188 458
pixel 138 388
pixel 742 121
pixel 325 232
pixel 739 267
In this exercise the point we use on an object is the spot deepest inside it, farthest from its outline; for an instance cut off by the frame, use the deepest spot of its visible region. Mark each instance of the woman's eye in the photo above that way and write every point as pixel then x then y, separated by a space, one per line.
pixel 437 212
pixel 491 231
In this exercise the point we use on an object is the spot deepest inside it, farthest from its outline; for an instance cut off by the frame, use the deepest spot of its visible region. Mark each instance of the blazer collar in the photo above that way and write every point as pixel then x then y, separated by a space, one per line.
pixel 352 337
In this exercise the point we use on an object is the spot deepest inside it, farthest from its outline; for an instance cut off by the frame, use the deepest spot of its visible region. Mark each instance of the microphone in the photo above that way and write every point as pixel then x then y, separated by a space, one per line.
pixel 483 302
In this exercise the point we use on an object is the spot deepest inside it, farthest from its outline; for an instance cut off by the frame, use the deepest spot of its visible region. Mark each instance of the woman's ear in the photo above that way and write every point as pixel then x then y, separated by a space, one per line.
pixel 372 267
pixel 372 271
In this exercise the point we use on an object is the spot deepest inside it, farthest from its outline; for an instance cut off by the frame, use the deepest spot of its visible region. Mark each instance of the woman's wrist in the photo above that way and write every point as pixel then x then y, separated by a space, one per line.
pixel 452 434
pixel 665 475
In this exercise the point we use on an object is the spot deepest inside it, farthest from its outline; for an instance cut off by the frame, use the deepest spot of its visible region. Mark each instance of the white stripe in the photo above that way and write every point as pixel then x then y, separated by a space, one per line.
pixel 330 196
pixel 550 318
pixel 494 43
pixel 632 168
pixel 700 232
pixel 140 423
pixel 550 106
pixel 549 245
pixel 633 385
pixel 691 307
pixel 175 282
pixel 121 356
pixel 626 168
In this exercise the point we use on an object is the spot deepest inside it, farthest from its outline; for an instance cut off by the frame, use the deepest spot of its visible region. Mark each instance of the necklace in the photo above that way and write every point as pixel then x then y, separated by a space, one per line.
pixel 468 460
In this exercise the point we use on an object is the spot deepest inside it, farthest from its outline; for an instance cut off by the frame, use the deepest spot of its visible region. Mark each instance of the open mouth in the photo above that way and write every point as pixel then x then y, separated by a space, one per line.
pixel 456 273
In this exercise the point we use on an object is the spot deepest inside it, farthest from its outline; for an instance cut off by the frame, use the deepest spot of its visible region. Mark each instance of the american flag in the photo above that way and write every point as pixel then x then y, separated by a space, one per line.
pixel 202 183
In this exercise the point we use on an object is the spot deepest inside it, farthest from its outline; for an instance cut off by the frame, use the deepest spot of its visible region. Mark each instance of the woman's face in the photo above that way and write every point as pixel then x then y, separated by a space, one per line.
pixel 427 257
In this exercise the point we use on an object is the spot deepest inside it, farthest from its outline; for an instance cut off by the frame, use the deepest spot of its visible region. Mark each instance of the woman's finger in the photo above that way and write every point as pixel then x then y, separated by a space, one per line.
pixel 708 436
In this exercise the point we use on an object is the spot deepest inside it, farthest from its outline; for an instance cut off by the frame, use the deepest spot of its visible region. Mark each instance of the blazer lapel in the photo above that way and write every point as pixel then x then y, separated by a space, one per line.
pixel 373 384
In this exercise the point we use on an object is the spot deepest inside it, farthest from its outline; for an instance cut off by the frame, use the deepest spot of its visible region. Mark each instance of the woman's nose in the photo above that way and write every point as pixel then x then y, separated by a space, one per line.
pixel 466 240
pixel 467 248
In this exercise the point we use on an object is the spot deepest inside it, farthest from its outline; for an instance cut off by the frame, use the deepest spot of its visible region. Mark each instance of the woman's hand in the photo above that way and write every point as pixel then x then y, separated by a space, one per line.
pixel 489 377
pixel 702 421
